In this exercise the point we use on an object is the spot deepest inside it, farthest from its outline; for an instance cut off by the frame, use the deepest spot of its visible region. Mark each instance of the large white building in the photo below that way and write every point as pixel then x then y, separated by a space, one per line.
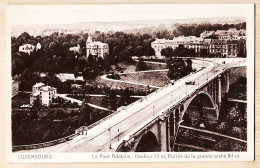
pixel 69 76
pixel 96 48
pixel 42 94
pixel 75 49
pixel 15 87
pixel 28 48
pixel 189 42
pixel 224 43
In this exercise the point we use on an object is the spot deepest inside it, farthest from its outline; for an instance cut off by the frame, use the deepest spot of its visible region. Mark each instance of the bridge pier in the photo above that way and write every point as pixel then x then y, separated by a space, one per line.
pixel 227 81
pixel 163 131
pixel 219 91
pixel 168 135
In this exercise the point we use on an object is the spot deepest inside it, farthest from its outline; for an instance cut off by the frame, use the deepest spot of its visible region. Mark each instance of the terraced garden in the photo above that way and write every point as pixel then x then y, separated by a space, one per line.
pixel 149 78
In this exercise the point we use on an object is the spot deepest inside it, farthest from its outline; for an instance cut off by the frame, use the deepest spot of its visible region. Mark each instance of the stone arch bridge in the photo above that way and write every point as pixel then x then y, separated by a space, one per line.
pixel 201 105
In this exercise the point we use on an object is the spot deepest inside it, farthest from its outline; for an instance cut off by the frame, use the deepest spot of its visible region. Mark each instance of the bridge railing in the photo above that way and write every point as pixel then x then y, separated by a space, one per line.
pixel 45 144
pixel 103 119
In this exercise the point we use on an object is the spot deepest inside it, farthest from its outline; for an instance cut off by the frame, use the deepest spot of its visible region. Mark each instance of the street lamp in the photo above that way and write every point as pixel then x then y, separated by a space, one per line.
pixel 118 135
pixel 109 129
pixel 179 93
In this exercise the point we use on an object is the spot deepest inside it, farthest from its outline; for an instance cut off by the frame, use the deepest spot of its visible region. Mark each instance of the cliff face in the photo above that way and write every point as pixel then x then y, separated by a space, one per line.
pixel 235 73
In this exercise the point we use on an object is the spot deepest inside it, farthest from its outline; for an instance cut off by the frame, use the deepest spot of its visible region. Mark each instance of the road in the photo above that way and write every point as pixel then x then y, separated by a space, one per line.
pixel 122 125
pixel 73 100
pixel 102 95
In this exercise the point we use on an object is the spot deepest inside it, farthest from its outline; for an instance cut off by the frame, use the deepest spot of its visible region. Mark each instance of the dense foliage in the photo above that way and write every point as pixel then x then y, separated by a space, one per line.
pixel 179 68
pixel 54 55
pixel 37 125
pixel 141 66
pixel 179 51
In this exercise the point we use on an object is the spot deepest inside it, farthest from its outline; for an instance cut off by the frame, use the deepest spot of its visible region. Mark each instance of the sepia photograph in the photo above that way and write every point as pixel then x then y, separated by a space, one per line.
pixel 131 82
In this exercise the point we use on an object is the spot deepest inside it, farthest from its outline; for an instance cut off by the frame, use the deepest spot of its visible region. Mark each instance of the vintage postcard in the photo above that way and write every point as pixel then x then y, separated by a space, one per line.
pixel 131 82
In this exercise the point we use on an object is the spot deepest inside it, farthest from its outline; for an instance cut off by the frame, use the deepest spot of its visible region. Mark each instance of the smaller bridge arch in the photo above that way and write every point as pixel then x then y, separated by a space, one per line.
pixel 148 143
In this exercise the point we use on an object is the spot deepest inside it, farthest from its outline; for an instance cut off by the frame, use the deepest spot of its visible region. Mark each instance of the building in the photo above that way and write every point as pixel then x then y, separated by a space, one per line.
pixel 218 48
pixel 158 45
pixel 206 34
pixel 189 42
pixel 76 86
pixel 68 76
pixel 75 49
pixel 42 94
pixel 224 48
pixel 26 48
pixel 15 88
pixel 96 48
pixel 38 46
pixel 221 43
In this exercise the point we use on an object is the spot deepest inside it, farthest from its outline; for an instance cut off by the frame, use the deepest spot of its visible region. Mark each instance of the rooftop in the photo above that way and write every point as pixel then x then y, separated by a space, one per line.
pixel 39 84
pixel 47 88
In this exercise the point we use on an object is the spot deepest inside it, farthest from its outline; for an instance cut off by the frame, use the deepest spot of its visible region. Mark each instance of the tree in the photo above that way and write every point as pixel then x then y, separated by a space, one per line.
pixel 178 68
pixel 139 51
pixel 108 61
pixel 112 99
pixel 167 52
pixel 91 58
pixel 17 66
pixel 86 111
pixel 125 57
pixel 125 97
pixel 181 51
pixel 116 51
pixel 204 53
pixel 141 65
pixel 189 65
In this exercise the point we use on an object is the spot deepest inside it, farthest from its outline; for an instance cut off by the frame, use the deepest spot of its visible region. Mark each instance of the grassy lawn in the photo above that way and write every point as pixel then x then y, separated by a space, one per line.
pixel 131 68
pixel 97 101
pixel 20 99
pixel 149 78
pixel 113 84
pixel 126 67
pixel 153 78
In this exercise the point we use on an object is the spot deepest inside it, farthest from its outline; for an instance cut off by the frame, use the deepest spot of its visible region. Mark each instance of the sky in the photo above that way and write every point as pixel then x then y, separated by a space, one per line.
pixel 66 14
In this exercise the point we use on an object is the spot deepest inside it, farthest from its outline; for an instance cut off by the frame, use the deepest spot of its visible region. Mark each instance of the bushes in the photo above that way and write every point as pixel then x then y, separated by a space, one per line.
pixel 113 76
pixel 179 68
pixel 141 66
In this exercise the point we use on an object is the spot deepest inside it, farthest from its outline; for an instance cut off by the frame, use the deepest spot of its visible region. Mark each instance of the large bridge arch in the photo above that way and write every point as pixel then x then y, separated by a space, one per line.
pixel 199 106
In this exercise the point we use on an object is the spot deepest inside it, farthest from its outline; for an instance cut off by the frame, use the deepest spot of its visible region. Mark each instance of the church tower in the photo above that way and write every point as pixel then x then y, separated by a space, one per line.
pixel 89 39
pixel 88 45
